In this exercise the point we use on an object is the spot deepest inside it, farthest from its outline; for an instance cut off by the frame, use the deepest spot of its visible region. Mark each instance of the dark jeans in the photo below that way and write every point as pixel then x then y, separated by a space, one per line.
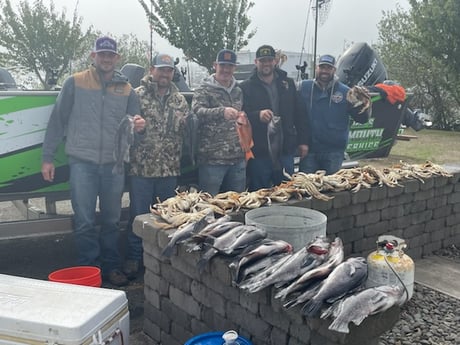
pixel 329 161
pixel 88 181
pixel 143 192
pixel 262 175
pixel 222 178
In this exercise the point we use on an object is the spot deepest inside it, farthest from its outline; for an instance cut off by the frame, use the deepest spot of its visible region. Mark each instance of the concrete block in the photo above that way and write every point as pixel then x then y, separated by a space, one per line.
pixel 341 199
pixel 378 193
pixel 180 333
pixel 391 212
pixel 428 183
pixel 207 297
pixel 351 210
pixel 367 218
pixel 152 330
pixel 277 319
pixel 424 195
pixel 175 314
pixel 185 302
pixel 402 199
pixel 374 205
pixel 411 186
pixel 422 217
pixel 436 201
pixel 394 191
pixel 376 229
pixel 156 316
pixel 277 336
pixel 442 212
pixel 340 224
pixel 362 196
pixel 176 278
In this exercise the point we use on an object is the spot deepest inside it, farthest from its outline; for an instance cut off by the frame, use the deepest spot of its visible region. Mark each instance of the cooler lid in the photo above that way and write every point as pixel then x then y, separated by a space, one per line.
pixel 38 309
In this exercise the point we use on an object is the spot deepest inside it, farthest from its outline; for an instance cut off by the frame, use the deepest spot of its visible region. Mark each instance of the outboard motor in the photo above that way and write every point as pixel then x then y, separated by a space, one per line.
pixel 135 73
pixel 360 65
pixel 7 81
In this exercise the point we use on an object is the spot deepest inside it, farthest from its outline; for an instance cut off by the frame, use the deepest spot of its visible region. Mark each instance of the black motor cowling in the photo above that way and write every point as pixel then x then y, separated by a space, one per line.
pixel 361 65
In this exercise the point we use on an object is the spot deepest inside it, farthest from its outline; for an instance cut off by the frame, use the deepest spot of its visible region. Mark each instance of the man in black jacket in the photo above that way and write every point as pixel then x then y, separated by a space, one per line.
pixel 271 101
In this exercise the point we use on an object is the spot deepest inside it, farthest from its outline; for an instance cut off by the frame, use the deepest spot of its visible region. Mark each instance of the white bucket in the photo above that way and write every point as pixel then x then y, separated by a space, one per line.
pixel 295 225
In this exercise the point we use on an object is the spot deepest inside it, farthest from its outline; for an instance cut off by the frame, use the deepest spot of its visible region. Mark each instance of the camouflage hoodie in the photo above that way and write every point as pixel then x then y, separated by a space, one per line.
pixel 218 141
pixel 158 154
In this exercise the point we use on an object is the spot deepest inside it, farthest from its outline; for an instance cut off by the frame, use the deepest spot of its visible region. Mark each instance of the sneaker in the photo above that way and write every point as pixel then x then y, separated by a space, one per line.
pixel 131 268
pixel 117 278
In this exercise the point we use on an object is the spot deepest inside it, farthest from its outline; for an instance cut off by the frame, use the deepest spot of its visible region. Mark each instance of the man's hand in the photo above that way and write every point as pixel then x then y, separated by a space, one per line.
pixel 230 113
pixel 303 150
pixel 48 171
pixel 265 115
pixel 139 123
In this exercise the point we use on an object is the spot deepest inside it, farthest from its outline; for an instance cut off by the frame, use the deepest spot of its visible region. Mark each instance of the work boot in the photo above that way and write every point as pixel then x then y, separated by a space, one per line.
pixel 117 278
pixel 131 268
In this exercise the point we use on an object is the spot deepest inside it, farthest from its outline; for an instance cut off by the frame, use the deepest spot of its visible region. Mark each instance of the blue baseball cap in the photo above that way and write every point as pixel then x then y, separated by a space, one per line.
pixel 326 60
pixel 105 44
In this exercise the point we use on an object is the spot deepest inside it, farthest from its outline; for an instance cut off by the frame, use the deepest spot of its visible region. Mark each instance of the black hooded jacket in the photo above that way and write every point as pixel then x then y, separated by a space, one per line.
pixel 293 115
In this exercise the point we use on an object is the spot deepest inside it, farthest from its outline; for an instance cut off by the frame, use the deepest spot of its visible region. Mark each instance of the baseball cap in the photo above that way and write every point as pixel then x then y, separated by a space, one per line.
pixel 326 60
pixel 265 51
pixel 163 60
pixel 105 44
pixel 226 56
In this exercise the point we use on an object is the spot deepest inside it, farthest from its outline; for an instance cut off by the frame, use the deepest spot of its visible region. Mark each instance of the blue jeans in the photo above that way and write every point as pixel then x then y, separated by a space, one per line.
pixel 262 175
pixel 329 161
pixel 222 178
pixel 88 181
pixel 143 192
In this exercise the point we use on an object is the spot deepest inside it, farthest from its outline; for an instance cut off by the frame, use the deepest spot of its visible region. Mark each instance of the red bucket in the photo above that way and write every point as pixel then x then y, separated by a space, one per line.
pixel 79 275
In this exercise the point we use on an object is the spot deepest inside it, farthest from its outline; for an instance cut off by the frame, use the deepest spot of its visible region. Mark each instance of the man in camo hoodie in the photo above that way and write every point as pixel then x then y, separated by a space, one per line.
pixel 217 104
pixel 155 161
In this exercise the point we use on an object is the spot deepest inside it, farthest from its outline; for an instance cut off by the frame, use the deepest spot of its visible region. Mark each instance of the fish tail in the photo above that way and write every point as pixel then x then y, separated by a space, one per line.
pixel 281 294
pixel 168 250
pixel 203 262
pixel 312 308
pixel 290 304
pixel 339 326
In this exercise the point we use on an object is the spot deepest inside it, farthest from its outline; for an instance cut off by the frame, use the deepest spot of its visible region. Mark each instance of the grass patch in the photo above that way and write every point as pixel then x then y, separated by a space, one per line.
pixel 440 147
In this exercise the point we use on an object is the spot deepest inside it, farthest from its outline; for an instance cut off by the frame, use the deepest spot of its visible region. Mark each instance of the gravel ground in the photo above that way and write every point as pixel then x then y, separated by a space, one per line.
pixel 430 317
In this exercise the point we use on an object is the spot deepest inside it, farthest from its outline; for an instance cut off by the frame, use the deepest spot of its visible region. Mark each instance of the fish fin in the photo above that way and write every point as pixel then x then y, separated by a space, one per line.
pixel 202 263
pixel 339 326
pixel 168 250
pixel 312 308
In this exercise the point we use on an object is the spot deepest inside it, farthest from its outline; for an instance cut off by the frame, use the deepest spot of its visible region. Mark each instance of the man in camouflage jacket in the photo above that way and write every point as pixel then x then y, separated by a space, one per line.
pixel 217 104
pixel 155 160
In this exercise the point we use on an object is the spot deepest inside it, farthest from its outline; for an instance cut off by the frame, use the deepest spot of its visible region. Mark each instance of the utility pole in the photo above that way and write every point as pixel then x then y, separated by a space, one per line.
pixel 316 37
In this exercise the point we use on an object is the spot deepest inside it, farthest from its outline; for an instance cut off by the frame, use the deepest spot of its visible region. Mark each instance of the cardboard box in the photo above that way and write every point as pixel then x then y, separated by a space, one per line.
pixel 36 311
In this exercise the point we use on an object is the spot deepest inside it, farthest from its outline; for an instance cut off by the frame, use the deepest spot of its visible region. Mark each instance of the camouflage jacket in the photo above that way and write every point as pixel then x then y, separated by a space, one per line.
pixel 218 141
pixel 158 153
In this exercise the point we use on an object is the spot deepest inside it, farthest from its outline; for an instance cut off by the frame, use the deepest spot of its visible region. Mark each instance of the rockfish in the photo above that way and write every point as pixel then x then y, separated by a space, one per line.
pixel 357 307
pixel 345 278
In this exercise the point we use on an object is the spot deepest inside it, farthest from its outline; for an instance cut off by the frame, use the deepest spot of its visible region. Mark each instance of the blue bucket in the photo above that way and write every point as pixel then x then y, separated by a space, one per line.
pixel 213 338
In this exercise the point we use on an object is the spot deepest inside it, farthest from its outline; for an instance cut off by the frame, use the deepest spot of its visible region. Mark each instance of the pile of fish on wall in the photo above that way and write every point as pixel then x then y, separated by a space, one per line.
pixel 316 276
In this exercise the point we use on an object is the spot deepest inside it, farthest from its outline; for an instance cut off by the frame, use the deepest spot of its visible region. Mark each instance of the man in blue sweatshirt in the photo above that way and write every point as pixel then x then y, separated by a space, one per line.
pixel 329 112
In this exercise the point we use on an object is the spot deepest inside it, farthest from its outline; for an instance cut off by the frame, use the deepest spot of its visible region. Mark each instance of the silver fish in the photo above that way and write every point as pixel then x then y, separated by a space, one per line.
pixel 261 251
pixel 124 138
pixel 334 258
pixel 357 307
pixel 275 140
pixel 236 238
pixel 184 233
pixel 259 266
pixel 345 278
pixel 296 265
pixel 197 241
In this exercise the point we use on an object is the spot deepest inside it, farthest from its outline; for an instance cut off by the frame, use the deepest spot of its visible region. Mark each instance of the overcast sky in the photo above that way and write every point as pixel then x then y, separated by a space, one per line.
pixel 280 23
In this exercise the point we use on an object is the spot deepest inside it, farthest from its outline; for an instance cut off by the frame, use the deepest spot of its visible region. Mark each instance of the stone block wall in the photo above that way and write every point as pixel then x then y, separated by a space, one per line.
pixel 181 303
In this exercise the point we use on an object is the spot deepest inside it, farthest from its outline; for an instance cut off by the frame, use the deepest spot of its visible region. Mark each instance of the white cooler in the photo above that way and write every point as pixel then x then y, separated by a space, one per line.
pixel 42 312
